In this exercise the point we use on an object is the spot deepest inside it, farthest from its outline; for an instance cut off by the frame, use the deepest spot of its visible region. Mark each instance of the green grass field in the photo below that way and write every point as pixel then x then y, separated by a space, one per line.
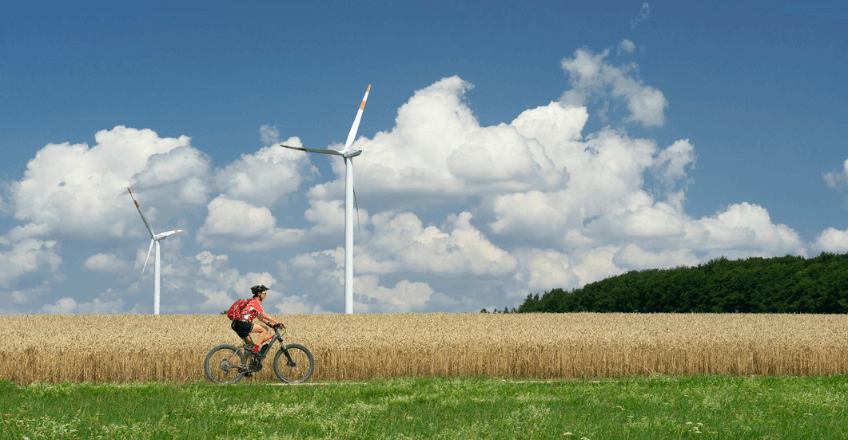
pixel 655 407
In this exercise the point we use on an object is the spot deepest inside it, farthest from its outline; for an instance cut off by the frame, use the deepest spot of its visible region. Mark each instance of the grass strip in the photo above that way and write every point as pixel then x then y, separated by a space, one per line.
pixel 655 407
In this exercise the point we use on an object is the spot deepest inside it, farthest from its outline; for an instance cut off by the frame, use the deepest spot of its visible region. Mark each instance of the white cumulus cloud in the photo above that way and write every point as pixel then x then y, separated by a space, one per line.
pixel 107 303
pixel 438 151
pixel 832 240
pixel 401 242
pixel 242 226
pixel 266 176
pixel 26 257
pixel 404 297
pixel 837 179
pixel 81 190
pixel 591 75
pixel 105 262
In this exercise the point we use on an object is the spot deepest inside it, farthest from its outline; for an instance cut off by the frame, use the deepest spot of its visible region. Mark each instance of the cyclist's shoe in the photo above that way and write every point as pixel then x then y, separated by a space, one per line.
pixel 248 374
pixel 261 353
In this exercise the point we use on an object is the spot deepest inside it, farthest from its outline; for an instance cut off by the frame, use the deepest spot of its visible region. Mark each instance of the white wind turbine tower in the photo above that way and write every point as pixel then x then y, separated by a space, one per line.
pixel 348 156
pixel 154 238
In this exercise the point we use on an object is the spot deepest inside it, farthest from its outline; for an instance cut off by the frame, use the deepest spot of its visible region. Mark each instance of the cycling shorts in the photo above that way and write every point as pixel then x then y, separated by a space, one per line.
pixel 242 328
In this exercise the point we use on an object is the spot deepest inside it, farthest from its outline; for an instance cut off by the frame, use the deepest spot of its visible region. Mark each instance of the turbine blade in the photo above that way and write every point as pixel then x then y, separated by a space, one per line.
pixel 334 152
pixel 355 127
pixel 145 262
pixel 164 235
pixel 356 205
pixel 142 215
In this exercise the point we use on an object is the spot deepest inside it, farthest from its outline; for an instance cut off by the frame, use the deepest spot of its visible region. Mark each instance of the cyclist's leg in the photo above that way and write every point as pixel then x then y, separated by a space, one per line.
pixel 262 334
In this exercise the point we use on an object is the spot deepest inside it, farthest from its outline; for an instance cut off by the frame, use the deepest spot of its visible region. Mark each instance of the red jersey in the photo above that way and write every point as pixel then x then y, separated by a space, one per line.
pixel 251 310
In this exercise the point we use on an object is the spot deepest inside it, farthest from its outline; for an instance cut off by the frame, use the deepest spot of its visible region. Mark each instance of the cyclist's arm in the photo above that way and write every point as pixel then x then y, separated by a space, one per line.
pixel 266 318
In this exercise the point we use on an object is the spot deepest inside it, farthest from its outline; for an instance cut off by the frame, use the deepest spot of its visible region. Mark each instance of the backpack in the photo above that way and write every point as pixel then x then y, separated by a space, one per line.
pixel 237 309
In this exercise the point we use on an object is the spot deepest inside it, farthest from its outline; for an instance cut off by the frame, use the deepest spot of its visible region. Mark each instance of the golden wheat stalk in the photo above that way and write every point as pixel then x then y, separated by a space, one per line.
pixel 574 345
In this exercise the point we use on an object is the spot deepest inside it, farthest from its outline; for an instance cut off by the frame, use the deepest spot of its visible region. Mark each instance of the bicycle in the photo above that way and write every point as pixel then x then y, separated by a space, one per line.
pixel 229 364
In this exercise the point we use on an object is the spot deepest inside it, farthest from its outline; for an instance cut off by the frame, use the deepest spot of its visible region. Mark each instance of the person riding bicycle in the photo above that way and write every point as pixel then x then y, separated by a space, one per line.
pixel 243 325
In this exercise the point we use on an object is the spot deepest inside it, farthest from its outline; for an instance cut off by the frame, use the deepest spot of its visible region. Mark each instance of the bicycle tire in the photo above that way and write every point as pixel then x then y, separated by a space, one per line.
pixel 219 369
pixel 301 371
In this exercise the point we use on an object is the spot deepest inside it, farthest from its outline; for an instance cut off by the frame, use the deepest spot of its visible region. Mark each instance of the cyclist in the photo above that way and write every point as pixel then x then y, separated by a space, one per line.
pixel 243 325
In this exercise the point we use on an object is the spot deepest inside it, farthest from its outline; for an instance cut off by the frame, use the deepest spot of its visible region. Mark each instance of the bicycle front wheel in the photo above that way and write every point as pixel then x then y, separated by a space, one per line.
pixel 296 367
pixel 225 364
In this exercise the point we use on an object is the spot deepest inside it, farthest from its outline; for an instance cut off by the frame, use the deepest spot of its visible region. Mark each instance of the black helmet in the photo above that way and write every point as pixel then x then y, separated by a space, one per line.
pixel 258 289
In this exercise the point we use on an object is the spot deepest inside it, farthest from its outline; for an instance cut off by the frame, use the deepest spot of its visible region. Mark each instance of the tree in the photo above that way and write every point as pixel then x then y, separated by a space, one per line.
pixel 789 284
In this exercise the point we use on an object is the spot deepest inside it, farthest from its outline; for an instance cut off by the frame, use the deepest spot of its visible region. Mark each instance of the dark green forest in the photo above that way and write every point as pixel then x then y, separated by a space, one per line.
pixel 787 284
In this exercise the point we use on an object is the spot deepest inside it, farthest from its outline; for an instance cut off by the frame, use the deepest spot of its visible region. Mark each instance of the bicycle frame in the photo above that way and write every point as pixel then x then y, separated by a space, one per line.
pixel 277 336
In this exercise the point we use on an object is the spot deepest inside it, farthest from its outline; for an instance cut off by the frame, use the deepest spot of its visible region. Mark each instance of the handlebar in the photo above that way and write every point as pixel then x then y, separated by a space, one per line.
pixel 280 331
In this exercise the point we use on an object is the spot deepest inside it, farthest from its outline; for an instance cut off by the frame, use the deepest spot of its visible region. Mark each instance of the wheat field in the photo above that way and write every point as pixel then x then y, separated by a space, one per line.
pixel 125 348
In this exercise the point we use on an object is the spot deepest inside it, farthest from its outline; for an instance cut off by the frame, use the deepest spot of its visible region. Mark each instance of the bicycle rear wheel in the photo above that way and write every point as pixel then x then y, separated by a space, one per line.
pixel 225 364
pixel 296 370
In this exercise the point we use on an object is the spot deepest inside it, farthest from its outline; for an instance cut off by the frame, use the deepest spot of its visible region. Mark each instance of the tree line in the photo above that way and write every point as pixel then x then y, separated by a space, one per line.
pixel 788 284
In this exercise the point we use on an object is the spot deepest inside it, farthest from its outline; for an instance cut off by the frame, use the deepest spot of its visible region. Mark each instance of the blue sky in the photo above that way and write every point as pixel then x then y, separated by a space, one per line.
pixel 514 147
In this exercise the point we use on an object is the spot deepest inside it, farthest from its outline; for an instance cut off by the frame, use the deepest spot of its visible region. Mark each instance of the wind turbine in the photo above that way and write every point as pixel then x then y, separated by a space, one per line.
pixel 348 156
pixel 154 238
